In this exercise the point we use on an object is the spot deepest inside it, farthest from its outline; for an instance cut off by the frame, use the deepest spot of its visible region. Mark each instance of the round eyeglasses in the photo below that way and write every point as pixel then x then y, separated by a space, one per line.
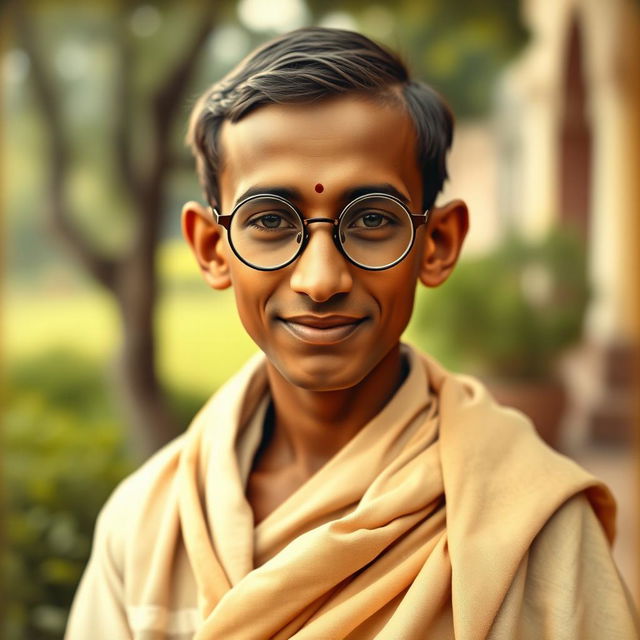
pixel 374 231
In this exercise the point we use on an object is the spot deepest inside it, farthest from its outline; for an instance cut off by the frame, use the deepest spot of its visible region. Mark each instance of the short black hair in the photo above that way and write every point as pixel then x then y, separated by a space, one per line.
pixel 310 64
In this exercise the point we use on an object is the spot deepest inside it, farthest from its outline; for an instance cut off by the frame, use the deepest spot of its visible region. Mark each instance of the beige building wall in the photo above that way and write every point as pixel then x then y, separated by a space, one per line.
pixel 531 101
pixel 473 167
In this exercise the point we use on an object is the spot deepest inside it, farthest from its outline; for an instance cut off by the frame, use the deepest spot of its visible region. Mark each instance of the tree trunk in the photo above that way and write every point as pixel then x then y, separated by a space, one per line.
pixel 152 421
pixel 130 277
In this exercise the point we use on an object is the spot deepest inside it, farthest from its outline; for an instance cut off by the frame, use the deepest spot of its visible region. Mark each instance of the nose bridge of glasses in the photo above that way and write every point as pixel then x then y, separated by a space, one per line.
pixel 308 221
pixel 334 222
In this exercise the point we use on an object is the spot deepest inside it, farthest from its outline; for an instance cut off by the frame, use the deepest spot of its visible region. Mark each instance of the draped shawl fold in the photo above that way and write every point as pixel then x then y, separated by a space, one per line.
pixel 445 516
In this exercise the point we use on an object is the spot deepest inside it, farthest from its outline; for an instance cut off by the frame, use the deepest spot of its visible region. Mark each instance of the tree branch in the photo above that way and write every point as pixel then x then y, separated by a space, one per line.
pixel 166 102
pixel 123 132
pixel 101 268
pixel 171 93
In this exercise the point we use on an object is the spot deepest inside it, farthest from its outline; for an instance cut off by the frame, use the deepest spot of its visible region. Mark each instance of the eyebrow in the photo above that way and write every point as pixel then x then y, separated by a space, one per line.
pixel 384 187
pixel 295 195
pixel 289 193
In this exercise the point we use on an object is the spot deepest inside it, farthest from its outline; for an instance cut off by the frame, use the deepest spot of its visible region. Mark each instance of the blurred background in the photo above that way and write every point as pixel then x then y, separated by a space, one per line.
pixel 111 339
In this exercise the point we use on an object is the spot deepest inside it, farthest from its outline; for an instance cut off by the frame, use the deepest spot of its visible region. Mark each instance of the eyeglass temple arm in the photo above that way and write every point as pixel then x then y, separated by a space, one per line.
pixel 222 220
pixel 418 219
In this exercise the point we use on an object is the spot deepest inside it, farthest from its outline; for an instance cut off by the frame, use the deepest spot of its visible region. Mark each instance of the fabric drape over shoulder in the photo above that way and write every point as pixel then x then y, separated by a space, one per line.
pixel 445 516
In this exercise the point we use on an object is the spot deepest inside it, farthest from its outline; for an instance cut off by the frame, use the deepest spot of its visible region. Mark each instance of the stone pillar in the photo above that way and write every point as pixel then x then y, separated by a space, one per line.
pixel 613 32
pixel 539 95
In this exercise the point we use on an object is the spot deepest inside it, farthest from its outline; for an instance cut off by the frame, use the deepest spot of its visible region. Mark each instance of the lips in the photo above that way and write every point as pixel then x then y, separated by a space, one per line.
pixel 322 329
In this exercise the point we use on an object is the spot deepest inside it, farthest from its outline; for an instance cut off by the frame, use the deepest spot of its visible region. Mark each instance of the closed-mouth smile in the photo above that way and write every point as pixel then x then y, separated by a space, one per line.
pixel 328 329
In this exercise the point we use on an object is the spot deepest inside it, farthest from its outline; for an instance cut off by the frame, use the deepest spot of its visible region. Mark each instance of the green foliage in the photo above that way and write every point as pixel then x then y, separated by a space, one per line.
pixel 510 313
pixel 458 47
pixel 65 452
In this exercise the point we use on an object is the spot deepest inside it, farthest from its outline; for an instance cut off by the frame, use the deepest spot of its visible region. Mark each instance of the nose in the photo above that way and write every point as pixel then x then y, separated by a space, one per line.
pixel 321 271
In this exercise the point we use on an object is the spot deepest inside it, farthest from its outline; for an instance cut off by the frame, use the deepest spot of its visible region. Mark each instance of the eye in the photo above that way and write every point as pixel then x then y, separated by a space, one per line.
pixel 270 222
pixel 371 220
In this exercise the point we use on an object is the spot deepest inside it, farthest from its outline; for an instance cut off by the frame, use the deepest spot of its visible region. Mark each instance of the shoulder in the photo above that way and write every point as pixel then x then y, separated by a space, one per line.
pixel 568 584
pixel 573 530
pixel 100 605
pixel 161 465
pixel 571 573
pixel 135 498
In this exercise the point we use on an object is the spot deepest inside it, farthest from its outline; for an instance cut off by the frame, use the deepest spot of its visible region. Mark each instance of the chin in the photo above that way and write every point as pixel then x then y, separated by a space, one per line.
pixel 320 374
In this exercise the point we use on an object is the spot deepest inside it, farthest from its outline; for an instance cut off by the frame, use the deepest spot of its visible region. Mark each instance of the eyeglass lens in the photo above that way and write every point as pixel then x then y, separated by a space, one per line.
pixel 374 232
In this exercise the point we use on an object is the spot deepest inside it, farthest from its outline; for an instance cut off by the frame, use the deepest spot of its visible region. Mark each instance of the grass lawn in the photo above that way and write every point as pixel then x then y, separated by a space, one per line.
pixel 37 321
pixel 201 341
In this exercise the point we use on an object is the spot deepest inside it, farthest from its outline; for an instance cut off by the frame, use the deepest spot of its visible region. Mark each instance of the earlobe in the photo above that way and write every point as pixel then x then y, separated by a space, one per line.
pixel 207 243
pixel 445 233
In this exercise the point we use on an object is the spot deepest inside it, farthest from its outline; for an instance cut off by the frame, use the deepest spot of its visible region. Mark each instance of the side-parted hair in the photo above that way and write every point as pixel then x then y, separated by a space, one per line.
pixel 310 64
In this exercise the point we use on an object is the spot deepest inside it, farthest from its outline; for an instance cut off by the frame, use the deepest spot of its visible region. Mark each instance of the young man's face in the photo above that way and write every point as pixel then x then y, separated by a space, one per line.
pixel 322 322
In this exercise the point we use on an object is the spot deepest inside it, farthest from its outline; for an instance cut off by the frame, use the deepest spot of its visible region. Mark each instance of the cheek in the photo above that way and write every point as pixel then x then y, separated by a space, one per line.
pixel 401 288
pixel 402 308
pixel 251 294
pixel 395 296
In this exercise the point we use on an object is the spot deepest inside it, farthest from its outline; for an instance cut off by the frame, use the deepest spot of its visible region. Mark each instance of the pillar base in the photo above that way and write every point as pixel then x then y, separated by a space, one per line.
pixel 613 419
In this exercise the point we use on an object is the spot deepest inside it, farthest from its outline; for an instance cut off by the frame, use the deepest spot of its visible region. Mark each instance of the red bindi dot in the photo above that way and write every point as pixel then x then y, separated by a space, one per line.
pixel 319 188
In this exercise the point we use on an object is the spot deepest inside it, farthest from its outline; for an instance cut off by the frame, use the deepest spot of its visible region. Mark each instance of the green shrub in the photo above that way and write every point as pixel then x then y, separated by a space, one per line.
pixel 511 312
pixel 64 451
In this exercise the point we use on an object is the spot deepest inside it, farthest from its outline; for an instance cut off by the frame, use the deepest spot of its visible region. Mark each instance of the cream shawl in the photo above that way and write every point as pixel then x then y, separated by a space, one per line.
pixel 445 516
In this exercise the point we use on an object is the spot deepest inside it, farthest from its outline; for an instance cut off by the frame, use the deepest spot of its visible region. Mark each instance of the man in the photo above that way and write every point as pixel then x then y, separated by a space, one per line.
pixel 343 485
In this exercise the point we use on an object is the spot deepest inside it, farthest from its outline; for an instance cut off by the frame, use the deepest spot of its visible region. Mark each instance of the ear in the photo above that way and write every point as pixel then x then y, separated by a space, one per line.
pixel 205 238
pixel 445 233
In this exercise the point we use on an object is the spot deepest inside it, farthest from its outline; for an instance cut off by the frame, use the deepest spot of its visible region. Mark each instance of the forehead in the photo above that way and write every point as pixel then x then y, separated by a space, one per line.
pixel 340 143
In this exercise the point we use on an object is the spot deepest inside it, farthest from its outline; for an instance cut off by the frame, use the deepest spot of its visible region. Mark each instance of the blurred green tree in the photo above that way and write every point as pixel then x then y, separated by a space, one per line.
pixel 138 112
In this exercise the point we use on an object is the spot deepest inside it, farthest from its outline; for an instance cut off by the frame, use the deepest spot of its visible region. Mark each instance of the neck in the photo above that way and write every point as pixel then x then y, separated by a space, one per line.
pixel 309 427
